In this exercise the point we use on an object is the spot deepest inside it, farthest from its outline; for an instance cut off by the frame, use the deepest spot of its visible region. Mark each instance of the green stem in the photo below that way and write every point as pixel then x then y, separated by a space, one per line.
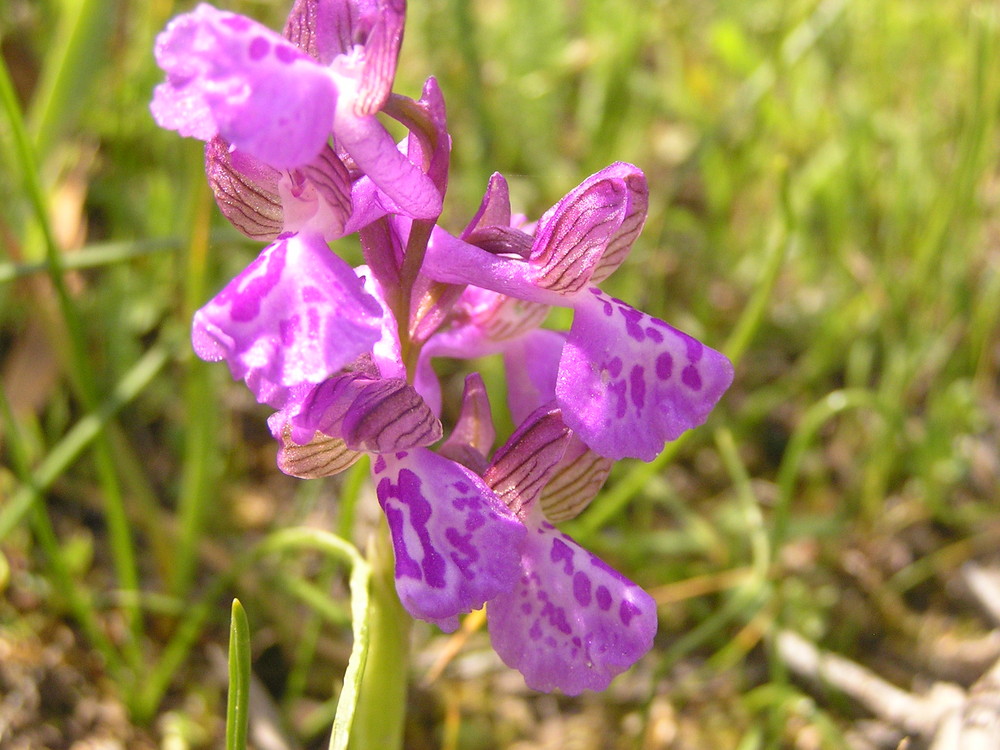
pixel 381 707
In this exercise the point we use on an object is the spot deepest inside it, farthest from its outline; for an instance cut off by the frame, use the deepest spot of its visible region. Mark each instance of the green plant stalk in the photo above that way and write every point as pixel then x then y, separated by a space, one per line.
pixel 238 700
pixel 317 595
pixel 347 705
pixel 381 705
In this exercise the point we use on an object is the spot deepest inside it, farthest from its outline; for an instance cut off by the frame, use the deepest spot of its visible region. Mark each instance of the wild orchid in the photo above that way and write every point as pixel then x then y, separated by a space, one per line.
pixel 297 156
pixel 626 381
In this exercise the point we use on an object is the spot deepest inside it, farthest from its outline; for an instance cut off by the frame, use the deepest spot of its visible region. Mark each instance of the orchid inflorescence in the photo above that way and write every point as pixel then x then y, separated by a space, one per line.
pixel 297 156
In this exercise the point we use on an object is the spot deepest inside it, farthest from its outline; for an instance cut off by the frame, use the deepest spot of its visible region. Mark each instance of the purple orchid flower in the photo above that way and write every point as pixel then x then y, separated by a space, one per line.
pixel 627 382
pixel 296 156
pixel 572 622
pixel 456 544
pixel 296 315
pixel 279 103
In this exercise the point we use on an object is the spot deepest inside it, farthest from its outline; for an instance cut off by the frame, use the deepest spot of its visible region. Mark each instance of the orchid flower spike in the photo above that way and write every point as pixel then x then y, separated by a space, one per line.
pixel 297 157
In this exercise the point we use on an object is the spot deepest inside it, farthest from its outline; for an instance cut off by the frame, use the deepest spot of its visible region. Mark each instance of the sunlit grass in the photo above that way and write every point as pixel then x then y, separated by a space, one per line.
pixel 823 207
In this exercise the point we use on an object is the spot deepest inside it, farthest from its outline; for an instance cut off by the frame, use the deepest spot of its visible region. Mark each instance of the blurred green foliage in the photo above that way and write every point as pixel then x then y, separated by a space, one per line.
pixel 824 204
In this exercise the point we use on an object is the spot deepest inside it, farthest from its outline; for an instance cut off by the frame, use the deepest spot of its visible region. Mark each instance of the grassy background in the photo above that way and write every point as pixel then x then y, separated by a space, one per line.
pixel 824 206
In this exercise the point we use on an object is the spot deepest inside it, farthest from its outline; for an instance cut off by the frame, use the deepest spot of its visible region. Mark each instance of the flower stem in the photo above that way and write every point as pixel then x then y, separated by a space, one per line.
pixel 381 709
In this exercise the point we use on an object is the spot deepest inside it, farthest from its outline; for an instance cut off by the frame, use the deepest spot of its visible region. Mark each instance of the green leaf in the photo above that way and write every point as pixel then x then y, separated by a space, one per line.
pixel 237 710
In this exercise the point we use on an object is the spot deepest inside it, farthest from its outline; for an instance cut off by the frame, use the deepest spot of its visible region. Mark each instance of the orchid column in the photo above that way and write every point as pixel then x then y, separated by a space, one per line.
pixel 297 156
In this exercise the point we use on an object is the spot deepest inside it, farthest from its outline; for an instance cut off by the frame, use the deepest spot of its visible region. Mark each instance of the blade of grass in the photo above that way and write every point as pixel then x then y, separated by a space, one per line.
pixel 809 425
pixel 238 702
pixel 378 690
pixel 93 256
pixel 177 650
pixel 72 592
pixel 200 449
pixel 79 370
pixel 73 56
pixel 77 439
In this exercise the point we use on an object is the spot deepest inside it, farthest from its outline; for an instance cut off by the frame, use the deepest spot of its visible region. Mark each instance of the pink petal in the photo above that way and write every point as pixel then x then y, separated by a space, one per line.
pixel 456 545
pixel 628 382
pixel 317 196
pixel 494 211
pixel 472 439
pixel 454 261
pixel 229 76
pixel 572 623
pixel 532 364
pixel 376 154
pixel 296 315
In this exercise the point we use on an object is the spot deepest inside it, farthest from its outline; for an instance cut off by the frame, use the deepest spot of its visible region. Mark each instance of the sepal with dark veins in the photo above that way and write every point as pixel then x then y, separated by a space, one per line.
pixel 325 30
pixel 635 217
pixel 379 30
pixel 321 456
pixel 524 464
pixel 572 235
pixel 471 441
pixel 245 189
pixel 376 416
pixel 576 481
